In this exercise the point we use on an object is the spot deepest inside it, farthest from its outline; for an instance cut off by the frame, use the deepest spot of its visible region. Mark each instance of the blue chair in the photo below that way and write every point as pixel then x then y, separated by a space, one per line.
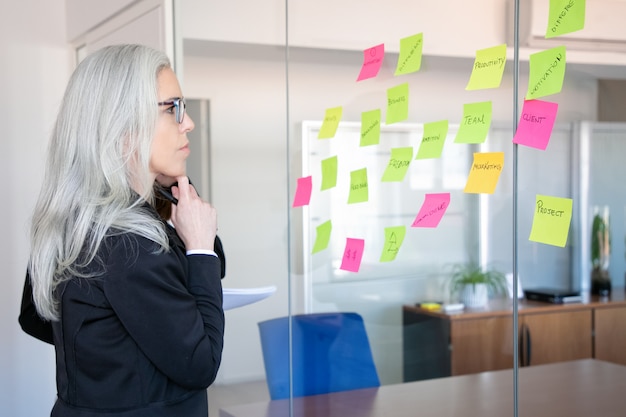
pixel 331 352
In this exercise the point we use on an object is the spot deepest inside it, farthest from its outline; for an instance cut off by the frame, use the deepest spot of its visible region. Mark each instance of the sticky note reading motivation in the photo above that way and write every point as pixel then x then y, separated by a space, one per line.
pixel 372 61
pixel 536 123
pixel 547 71
pixel 358 186
pixel 565 16
pixel 370 127
pixel 352 255
pixel 410 57
pixel 433 209
pixel 323 236
pixel 485 172
pixel 331 122
pixel 488 68
pixel 329 172
pixel 394 236
pixel 475 124
pixel 551 220
pixel 398 164
pixel 397 103
pixel 435 134
pixel 303 192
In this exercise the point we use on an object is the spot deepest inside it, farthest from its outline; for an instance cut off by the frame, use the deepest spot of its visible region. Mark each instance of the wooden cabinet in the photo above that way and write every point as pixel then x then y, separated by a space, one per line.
pixel 610 334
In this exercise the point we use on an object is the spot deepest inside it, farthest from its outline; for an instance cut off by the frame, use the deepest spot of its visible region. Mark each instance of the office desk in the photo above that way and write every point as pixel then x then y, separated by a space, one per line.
pixel 581 388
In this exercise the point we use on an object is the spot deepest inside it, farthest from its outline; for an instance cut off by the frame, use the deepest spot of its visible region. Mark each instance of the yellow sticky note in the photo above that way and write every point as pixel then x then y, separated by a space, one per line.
pixel 398 164
pixel 370 127
pixel 323 236
pixel 565 16
pixel 488 68
pixel 551 220
pixel 547 71
pixel 435 134
pixel 475 124
pixel 397 103
pixel 394 236
pixel 329 172
pixel 410 57
pixel 358 186
pixel 485 172
pixel 331 122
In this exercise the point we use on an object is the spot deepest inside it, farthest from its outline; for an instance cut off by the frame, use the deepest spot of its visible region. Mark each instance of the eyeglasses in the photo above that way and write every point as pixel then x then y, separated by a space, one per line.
pixel 179 104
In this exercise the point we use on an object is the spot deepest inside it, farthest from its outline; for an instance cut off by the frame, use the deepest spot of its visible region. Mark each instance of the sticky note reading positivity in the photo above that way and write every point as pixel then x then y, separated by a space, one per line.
pixel 398 164
pixel 331 122
pixel 536 123
pixel 551 220
pixel 323 236
pixel 370 128
pixel 303 192
pixel 565 16
pixel 485 172
pixel 394 236
pixel 352 255
pixel 488 68
pixel 435 134
pixel 410 57
pixel 475 124
pixel 372 61
pixel 433 209
pixel 329 172
pixel 547 71
pixel 397 103
pixel 358 186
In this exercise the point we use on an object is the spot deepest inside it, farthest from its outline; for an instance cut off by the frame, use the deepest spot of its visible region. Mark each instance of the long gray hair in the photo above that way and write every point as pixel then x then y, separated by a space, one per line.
pixel 97 172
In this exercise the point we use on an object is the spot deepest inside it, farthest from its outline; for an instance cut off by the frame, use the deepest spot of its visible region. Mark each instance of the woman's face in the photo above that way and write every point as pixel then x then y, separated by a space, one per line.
pixel 170 147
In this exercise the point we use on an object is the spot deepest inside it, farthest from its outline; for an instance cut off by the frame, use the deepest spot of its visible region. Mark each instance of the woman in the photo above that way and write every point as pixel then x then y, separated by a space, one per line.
pixel 135 305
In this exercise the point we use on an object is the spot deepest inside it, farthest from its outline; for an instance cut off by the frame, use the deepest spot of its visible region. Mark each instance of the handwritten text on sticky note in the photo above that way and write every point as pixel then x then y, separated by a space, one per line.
pixel 352 255
pixel 433 209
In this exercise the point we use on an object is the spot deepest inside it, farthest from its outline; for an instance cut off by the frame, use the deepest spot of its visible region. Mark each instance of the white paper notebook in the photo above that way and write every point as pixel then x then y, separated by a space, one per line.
pixel 239 297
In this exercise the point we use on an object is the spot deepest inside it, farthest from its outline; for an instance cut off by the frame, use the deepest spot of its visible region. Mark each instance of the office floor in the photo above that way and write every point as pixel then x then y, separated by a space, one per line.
pixel 234 394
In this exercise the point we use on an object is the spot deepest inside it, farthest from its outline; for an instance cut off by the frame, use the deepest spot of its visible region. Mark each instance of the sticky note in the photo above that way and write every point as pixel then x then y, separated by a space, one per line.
pixel 370 127
pixel 536 124
pixel 394 236
pixel 331 122
pixel 372 61
pixel 322 236
pixel 547 71
pixel 434 137
pixel 303 191
pixel 358 186
pixel 565 16
pixel 329 172
pixel 475 123
pixel 433 209
pixel 410 57
pixel 551 220
pixel 397 103
pixel 488 68
pixel 398 164
pixel 352 255
pixel 485 172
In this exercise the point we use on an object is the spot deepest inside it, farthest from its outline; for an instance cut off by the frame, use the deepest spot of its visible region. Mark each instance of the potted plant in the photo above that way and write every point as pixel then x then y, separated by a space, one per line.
pixel 473 283
pixel 600 252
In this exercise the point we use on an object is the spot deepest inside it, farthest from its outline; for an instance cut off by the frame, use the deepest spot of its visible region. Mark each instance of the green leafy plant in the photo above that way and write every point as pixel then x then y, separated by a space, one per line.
pixel 471 273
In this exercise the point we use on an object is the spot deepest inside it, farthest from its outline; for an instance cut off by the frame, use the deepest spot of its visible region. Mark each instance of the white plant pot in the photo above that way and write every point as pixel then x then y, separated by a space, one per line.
pixel 475 296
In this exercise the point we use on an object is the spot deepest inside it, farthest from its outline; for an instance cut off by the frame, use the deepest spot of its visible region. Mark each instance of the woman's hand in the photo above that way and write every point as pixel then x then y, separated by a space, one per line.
pixel 195 220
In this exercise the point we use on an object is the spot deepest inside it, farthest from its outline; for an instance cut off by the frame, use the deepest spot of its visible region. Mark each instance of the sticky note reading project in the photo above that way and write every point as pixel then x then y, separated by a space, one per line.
pixel 475 124
pixel 331 122
pixel 485 172
pixel 551 220
pixel 565 16
pixel 397 103
pixel 372 61
pixel 394 236
pixel 410 57
pixel 352 255
pixel 435 134
pixel 323 236
pixel 358 186
pixel 303 192
pixel 398 164
pixel 329 172
pixel 370 128
pixel 433 209
pixel 536 123
pixel 547 71
pixel 488 68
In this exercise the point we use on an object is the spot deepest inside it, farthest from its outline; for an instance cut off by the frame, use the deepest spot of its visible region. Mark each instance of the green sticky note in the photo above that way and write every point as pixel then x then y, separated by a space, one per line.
pixel 475 124
pixel 398 164
pixel 331 122
pixel 358 186
pixel 329 172
pixel 393 240
pixel 397 103
pixel 370 127
pixel 323 236
pixel 566 16
pixel 435 134
pixel 551 220
pixel 488 68
pixel 410 57
pixel 547 71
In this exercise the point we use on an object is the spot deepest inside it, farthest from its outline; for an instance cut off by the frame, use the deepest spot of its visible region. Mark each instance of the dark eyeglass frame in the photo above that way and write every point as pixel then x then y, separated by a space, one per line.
pixel 180 105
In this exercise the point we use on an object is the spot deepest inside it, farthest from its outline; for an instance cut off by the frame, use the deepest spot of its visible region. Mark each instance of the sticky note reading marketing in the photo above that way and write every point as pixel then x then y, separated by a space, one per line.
pixel 565 16
pixel 410 57
pixel 433 209
pixel 551 220
pixel 303 192
pixel 488 68
pixel 331 122
pixel 358 186
pixel 485 172
pixel 547 71
pixel 475 124
pixel 323 236
pixel 370 127
pixel 394 236
pixel 329 172
pixel 398 164
pixel 397 103
pixel 372 61
pixel 435 134
pixel 536 123
pixel 352 255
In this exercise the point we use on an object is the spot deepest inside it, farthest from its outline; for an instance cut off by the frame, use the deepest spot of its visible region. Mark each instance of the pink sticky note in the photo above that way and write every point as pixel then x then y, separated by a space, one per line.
pixel 433 209
pixel 536 123
pixel 372 61
pixel 303 191
pixel 352 255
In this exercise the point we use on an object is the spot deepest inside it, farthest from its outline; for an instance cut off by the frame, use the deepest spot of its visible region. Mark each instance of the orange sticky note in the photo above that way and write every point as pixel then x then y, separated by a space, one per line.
pixel 485 172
